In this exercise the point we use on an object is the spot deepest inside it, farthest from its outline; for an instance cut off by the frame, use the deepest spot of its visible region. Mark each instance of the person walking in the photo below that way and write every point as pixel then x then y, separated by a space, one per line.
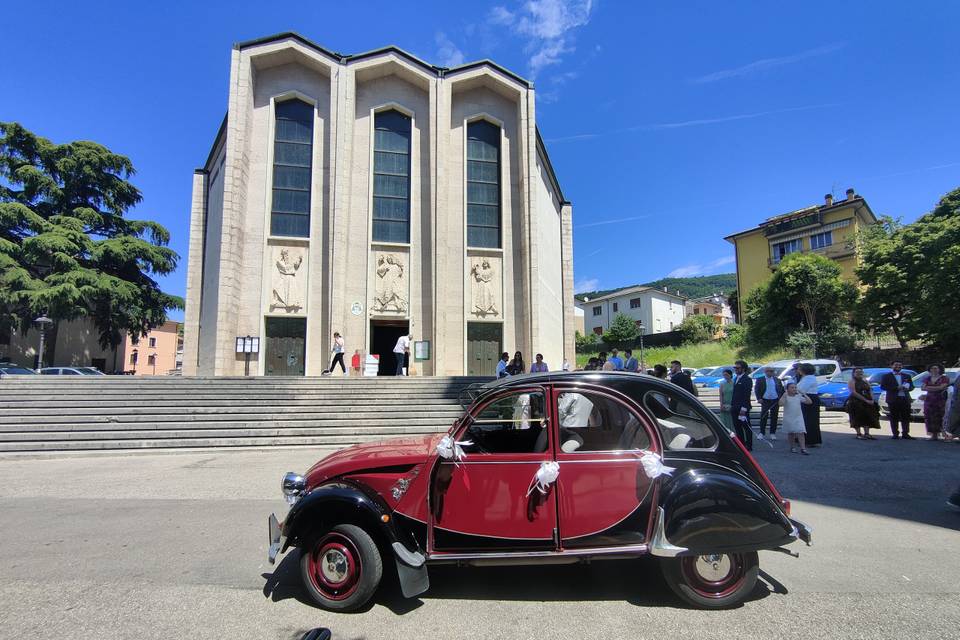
pixel 337 350
pixel 680 377
pixel 539 366
pixel 502 366
pixel 935 402
pixel 898 385
pixel 864 413
pixel 808 386
pixel 400 352
pixel 631 364
pixel 768 390
pixel 740 403
pixel 726 399
pixel 516 366
pixel 792 402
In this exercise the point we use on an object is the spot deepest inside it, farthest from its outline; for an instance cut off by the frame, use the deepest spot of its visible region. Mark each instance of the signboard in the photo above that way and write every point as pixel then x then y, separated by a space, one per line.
pixel 421 350
pixel 248 344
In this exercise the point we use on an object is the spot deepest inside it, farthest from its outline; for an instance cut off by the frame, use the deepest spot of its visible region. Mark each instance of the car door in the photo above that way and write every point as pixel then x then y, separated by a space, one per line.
pixel 605 497
pixel 486 501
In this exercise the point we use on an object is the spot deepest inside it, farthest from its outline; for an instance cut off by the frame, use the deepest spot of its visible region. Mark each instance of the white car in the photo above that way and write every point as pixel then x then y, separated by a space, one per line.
pixel 918 394
pixel 71 371
pixel 787 369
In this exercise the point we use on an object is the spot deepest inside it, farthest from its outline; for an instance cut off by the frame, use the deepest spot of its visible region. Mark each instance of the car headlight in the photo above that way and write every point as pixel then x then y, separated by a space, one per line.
pixel 292 486
pixel 826 395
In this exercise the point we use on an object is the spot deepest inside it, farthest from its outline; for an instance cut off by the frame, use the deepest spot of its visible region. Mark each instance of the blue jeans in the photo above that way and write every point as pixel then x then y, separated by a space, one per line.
pixel 401 360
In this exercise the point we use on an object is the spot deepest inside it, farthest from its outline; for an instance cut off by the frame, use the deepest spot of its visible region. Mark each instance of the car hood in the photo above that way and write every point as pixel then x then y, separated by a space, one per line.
pixel 833 387
pixel 396 452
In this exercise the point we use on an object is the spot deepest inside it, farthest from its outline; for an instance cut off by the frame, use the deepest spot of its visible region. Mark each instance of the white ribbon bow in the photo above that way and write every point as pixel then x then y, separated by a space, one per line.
pixel 449 449
pixel 653 465
pixel 544 477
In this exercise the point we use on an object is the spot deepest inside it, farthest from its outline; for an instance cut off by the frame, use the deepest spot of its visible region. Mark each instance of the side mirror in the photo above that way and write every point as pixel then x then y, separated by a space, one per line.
pixel 320 633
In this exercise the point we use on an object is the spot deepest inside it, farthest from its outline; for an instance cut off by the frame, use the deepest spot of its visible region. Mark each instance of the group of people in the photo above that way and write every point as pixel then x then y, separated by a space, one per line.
pixel 401 353
pixel 797 398
pixel 614 363
pixel 507 367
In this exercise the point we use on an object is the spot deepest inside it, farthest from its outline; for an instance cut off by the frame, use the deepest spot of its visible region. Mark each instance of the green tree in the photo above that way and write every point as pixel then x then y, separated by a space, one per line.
pixel 697 328
pixel 735 335
pixel 66 248
pixel 889 270
pixel 733 301
pixel 622 329
pixel 806 291
pixel 585 340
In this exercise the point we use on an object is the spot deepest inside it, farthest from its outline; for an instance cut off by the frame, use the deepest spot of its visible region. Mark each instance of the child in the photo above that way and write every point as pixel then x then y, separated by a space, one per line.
pixel 355 363
pixel 793 417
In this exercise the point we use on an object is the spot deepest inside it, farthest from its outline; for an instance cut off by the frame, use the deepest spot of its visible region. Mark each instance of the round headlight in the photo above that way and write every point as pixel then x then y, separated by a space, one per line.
pixel 292 484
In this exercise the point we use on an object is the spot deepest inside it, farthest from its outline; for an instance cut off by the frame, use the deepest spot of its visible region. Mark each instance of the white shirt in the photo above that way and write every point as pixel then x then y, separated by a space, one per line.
pixel 808 384
pixel 402 345
pixel 770 393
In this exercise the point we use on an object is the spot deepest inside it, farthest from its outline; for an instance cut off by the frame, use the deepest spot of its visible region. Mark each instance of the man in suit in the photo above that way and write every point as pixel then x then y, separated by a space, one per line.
pixel 768 390
pixel 740 404
pixel 681 378
pixel 898 386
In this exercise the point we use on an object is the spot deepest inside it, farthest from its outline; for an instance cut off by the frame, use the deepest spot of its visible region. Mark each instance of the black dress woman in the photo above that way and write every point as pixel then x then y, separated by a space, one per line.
pixel 863 412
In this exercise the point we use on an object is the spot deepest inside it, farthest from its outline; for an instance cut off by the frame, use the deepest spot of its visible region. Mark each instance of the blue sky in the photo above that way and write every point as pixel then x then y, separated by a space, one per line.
pixel 670 124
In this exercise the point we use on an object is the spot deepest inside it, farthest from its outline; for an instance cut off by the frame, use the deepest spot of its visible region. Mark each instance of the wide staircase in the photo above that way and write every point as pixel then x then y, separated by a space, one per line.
pixel 47 414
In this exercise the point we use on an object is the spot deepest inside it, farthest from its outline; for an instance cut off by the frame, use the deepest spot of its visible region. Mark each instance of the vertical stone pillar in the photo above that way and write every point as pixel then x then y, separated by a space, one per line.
pixel 566 258
pixel 191 319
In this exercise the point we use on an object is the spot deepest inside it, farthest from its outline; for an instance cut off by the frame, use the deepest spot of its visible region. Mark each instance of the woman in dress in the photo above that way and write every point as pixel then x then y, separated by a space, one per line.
pixel 726 399
pixel 935 401
pixel 863 412
pixel 951 424
pixel 791 402
pixel 808 385
pixel 516 366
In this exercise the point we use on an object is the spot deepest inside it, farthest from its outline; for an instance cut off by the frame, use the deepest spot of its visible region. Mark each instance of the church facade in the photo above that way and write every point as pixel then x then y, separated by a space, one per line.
pixel 375 195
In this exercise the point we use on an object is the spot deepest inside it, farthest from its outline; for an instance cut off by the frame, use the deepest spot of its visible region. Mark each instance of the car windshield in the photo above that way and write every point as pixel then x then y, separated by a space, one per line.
pixel 18 371
pixel 846 375
pixel 759 373
pixel 89 371
pixel 702 372
pixel 922 377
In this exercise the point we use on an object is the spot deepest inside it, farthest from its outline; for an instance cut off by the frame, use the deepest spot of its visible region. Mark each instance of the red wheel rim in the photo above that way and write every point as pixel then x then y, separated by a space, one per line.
pixel 334 564
pixel 715 575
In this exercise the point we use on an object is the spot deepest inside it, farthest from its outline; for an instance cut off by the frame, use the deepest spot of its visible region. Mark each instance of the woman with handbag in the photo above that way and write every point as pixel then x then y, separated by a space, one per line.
pixel 864 413
pixel 935 401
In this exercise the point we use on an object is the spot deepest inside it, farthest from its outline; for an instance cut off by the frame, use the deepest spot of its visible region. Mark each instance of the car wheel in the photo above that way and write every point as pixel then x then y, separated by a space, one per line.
pixel 712 581
pixel 341 569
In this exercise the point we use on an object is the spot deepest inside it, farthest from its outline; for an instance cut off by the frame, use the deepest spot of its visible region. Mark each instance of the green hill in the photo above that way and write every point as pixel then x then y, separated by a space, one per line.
pixel 697 287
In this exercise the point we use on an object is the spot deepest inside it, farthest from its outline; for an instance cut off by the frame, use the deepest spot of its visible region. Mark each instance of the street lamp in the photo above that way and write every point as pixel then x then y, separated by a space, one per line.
pixel 42 323
pixel 643 366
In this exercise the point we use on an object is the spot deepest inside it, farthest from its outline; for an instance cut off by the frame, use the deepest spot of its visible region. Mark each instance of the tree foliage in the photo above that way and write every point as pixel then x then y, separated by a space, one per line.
pixel 912 276
pixel 622 329
pixel 806 291
pixel 697 328
pixel 66 249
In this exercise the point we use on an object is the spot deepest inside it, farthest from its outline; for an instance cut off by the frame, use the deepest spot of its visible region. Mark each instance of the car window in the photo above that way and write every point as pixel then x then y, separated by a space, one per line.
pixel 844 375
pixel 50 372
pixel 682 424
pixel 69 372
pixel 510 424
pixel 825 369
pixel 594 422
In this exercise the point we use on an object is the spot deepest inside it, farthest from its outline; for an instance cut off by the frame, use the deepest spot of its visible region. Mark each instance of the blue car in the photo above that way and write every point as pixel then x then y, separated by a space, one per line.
pixel 834 392
pixel 713 381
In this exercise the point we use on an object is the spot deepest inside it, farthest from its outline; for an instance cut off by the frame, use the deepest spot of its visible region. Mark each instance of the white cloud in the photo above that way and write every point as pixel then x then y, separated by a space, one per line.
pixel 448 54
pixel 586 285
pixel 613 221
pixel 697 269
pixel 766 64
pixel 548 26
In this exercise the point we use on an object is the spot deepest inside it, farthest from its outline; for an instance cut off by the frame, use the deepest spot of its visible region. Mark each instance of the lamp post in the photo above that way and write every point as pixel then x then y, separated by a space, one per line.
pixel 42 323
pixel 643 365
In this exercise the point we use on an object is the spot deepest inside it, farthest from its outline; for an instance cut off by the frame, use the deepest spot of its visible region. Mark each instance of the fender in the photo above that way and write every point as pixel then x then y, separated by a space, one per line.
pixel 714 510
pixel 341 502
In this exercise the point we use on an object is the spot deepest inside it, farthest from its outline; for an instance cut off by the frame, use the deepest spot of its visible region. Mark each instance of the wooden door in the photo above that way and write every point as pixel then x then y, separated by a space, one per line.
pixel 484 345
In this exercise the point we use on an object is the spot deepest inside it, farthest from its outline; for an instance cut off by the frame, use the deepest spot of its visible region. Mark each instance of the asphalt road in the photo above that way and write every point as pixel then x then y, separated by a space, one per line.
pixel 174 546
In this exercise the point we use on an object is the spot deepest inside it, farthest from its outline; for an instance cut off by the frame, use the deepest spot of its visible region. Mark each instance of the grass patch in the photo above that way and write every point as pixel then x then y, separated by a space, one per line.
pixel 697 355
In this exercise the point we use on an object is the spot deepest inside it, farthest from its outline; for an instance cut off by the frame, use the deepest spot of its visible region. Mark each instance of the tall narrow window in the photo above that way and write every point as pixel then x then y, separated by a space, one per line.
pixel 483 184
pixel 391 177
pixel 292 153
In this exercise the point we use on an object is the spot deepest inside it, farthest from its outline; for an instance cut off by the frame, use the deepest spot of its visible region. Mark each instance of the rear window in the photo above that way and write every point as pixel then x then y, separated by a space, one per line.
pixel 682 424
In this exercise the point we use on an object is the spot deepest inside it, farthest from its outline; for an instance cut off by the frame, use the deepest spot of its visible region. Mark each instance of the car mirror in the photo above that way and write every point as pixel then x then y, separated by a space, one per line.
pixel 320 633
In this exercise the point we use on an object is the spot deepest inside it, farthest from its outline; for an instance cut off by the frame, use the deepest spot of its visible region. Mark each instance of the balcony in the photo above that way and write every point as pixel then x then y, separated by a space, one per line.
pixel 834 252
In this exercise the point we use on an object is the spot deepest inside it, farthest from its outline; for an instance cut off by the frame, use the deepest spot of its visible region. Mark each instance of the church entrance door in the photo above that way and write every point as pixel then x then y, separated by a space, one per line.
pixel 383 338
pixel 484 346
pixel 285 346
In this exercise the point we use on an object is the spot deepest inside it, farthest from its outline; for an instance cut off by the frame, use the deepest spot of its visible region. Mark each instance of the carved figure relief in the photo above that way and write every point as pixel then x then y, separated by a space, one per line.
pixel 486 297
pixel 287 293
pixel 391 283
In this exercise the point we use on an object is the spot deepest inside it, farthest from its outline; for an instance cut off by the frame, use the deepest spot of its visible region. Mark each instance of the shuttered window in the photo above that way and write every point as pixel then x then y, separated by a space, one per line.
pixel 483 184
pixel 292 155
pixel 391 177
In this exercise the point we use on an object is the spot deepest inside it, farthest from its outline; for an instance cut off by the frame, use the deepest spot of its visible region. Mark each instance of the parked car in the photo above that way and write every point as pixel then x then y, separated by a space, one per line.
pixel 787 369
pixel 835 392
pixel 705 375
pixel 10 369
pixel 546 468
pixel 715 381
pixel 916 404
pixel 71 371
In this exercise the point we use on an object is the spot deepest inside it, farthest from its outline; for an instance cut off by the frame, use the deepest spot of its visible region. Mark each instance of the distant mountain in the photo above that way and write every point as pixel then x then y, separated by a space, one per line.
pixel 698 287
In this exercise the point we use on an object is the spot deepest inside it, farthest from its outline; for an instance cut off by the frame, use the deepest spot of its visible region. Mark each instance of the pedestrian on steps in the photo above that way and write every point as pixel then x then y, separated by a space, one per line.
pixel 337 350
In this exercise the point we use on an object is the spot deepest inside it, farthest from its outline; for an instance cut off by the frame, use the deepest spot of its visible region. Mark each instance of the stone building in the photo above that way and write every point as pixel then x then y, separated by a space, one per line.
pixel 374 195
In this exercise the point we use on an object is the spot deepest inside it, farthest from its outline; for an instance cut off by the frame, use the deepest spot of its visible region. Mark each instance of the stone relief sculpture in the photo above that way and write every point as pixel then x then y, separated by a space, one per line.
pixel 391 284
pixel 485 297
pixel 286 286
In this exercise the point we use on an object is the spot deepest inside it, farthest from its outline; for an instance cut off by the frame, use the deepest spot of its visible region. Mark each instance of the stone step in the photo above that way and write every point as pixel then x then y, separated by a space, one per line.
pixel 66 424
pixel 183 443
pixel 226 412
pixel 53 423
pixel 225 403
pixel 233 432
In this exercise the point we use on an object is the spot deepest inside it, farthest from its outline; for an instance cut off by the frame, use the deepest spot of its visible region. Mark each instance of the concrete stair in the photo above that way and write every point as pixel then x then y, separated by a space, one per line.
pixel 47 414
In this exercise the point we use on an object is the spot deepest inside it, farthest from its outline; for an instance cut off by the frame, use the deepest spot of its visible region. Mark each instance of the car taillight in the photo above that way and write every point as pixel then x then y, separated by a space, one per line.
pixel 784 503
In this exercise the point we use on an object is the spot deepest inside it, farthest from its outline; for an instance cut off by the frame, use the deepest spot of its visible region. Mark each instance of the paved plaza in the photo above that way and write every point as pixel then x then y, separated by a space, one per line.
pixel 174 546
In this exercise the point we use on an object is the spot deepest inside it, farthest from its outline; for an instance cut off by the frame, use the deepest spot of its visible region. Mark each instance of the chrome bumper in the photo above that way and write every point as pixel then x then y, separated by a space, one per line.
pixel 802 531
pixel 276 539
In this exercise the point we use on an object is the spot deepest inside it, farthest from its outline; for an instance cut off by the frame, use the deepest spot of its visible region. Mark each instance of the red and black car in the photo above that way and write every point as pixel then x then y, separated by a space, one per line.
pixel 548 468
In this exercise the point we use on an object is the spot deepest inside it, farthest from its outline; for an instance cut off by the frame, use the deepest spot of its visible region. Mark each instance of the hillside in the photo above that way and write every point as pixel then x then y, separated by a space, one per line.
pixel 697 287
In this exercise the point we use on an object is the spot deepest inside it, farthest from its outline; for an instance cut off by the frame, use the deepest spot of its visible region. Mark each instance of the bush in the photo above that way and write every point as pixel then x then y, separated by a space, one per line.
pixel 735 335
pixel 585 340
pixel 696 329
pixel 802 343
pixel 622 329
